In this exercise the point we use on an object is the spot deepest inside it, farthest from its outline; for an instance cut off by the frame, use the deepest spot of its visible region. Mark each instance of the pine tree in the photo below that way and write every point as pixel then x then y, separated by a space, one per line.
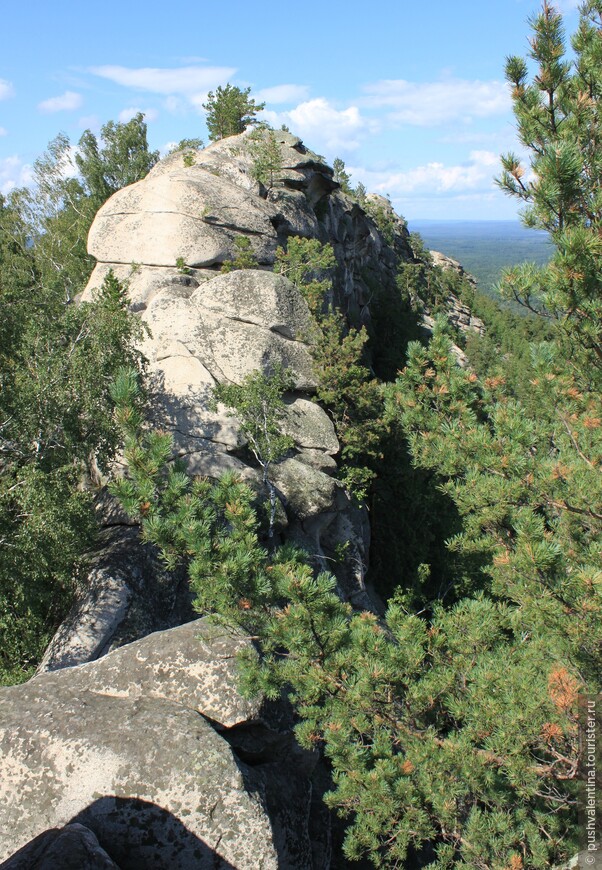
pixel 346 386
pixel 230 110
pixel 452 741
pixel 341 176
pixel 267 156
pixel 558 115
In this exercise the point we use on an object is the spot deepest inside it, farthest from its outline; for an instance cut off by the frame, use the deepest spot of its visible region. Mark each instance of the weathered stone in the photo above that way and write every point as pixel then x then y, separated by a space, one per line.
pixel 127 595
pixel 228 345
pixel 191 214
pixel 73 847
pixel 99 612
pixel 317 459
pixel 307 492
pixel 143 282
pixel 309 425
pixel 71 757
pixel 295 216
pixel 260 298
pixel 118 745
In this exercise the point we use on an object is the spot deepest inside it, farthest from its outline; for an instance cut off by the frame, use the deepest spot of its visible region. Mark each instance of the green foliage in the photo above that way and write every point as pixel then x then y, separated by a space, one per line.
pixel 382 215
pixel 341 176
pixel 308 265
pixel 427 287
pixel 121 157
pixel 181 266
pixel 57 361
pixel 353 398
pixel 451 741
pixel 360 194
pixel 58 210
pixel 558 119
pixel 188 148
pixel 345 385
pixel 56 214
pixel 267 156
pixel 245 258
pixel 505 348
pixel 230 110
pixel 258 405
pixel 212 525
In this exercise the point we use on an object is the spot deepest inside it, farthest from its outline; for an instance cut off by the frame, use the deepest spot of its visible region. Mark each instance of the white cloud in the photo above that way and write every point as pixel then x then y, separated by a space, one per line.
pixel 14 173
pixel 480 137
pixel 6 89
pixel 426 104
pixel 435 178
pixel 167 148
pixel 323 126
pixel 127 114
pixel 66 102
pixel 3 131
pixel 177 80
pixel 282 94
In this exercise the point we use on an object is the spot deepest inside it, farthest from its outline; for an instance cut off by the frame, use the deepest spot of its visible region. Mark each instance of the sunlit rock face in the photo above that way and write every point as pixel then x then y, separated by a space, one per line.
pixel 140 759
pixel 168 237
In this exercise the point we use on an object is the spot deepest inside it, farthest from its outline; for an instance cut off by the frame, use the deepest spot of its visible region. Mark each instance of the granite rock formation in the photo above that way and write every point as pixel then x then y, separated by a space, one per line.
pixel 155 753
pixel 167 236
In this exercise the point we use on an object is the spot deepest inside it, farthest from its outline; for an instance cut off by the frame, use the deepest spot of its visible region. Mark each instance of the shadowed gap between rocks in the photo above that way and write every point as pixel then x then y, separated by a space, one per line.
pixel 117 833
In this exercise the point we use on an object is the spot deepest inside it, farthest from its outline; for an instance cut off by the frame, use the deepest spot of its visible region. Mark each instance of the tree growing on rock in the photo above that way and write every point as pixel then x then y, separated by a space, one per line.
pixel 345 384
pixel 121 157
pixel 258 405
pixel 211 525
pixel 341 176
pixel 267 157
pixel 244 259
pixel 230 110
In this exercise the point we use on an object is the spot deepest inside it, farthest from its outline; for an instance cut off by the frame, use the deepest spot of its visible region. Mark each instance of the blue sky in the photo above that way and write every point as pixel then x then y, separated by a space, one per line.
pixel 411 95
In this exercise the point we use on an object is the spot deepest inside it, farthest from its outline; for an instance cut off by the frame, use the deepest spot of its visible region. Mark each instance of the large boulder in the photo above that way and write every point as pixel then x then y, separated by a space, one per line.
pixel 153 750
pixel 190 214
pixel 233 325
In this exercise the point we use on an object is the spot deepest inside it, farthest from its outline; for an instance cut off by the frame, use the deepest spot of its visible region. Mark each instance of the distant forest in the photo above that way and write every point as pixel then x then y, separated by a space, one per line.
pixel 484 248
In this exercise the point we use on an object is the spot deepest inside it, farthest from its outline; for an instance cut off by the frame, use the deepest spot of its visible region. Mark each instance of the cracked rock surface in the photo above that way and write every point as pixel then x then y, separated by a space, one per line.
pixel 135 747
pixel 167 236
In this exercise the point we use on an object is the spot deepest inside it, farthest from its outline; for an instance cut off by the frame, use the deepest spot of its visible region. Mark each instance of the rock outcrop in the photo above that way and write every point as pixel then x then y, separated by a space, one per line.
pixel 153 751
pixel 167 236
pixel 132 747
pixel 457 312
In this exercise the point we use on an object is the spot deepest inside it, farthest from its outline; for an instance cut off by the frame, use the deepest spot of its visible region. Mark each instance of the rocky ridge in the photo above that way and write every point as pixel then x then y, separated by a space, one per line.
pixel 167 236
pixel 132 744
